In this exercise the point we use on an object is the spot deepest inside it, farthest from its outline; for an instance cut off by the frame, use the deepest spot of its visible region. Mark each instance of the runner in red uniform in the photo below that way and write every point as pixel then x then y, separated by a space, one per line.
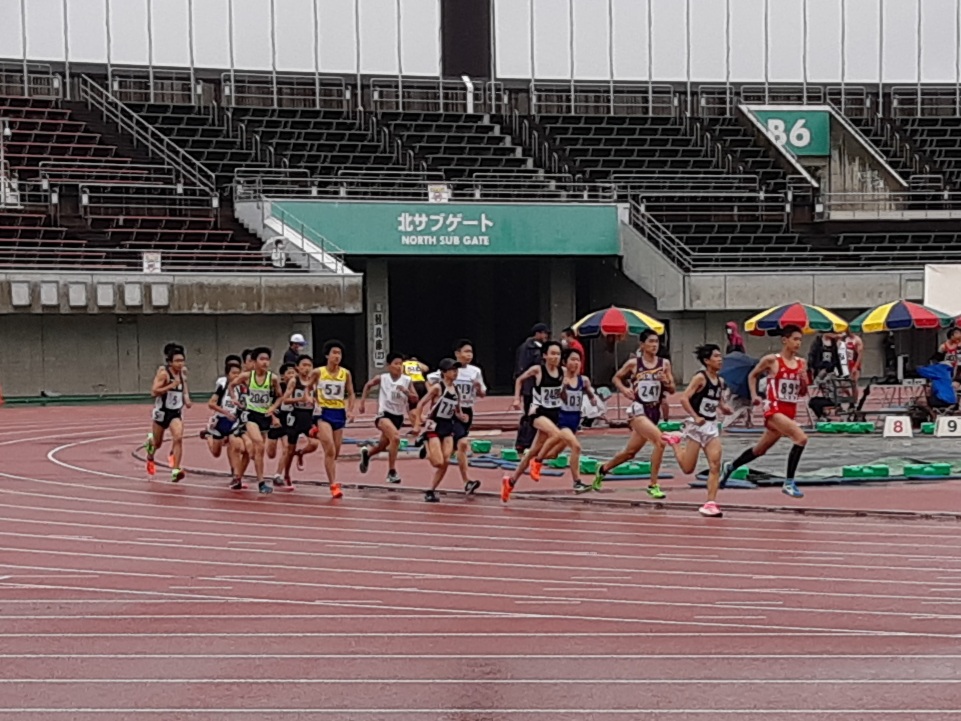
pixel 786 383
pixel 854 348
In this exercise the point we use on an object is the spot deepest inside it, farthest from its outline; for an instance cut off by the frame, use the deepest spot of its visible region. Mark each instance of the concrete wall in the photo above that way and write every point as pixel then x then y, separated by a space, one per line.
pixel 93 354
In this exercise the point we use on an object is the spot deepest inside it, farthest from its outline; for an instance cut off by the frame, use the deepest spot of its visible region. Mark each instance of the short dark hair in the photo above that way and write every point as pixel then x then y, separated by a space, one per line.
pixel 568 331
pixel 232 360
pixel 231 364
pixel 302 357
pixel 704 352
pixel 565 356
pixel 259 351
pixel 547 346
pixel 647 333
pixel 790 330
pixel 952 331
pixel 172 349
pixel 459 345
pixel 330 345
pixel 394 355
pixel 285 367
pixel 246 354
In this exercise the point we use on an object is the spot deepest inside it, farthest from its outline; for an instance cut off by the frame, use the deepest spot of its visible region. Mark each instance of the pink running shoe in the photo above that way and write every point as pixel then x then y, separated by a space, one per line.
pixel 710 510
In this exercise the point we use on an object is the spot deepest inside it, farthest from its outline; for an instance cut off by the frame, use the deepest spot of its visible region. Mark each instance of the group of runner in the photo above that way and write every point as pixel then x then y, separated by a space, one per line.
pixel 260 415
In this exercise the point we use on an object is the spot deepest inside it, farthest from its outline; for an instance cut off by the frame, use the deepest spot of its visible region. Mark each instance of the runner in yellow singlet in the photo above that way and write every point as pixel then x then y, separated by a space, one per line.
pixel 335 407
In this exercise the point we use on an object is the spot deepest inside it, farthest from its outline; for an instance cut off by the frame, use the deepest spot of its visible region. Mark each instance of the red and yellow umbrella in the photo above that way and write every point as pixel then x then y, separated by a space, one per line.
pixel 809 318
pixel 617 322
pixel 900 315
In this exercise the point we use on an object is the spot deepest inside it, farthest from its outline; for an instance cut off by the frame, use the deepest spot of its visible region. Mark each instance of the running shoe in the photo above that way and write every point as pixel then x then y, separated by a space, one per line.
pixel 264 488
pixel 203 434
pixel 335 491
pixel 312 433
pixel 393 477
pixel 470 487
pixel 299 455
pixel 237 485
pixel 672 439
pixel 171 462
pixel 288 484
pixel 726 470
pixel 598 479
pixel 790 489
pixel 431 497
pixel 278 480
pixel 177 475
pixel 151 449
pixel 710 510
pixel 582 487
pixel 535 469
pixel 654 491
pixel 506 489
pixel 364 459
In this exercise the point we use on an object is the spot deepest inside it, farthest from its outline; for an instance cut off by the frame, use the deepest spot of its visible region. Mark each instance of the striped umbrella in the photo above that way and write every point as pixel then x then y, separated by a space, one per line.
pixel 900 315
pixel 809 318
pixel 616 322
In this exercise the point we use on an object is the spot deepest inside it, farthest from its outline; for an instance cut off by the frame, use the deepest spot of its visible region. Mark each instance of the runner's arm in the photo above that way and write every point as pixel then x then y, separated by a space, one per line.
pixel 589 391
pixel 532 372
pixel 432 392
pixel 368 387
pixel 351 396
pixel 669 385
pixel 159 387
pixel 693 387
pixel 754 376
pixel 278 396
pixel 618 380
pixel 288 396
pixel 214 405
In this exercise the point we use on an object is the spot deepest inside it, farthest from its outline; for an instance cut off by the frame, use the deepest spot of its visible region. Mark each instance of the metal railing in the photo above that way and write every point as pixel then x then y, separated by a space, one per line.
pixel 661 238
pixel 77 256
pixel 141 85
pixel 272 90
pixel 64 172
pixel 706 182
pixel 918 205
pixel 575 98
pixel 30 80
pixel 331 256
pixel 436 96
pixel 927 101
pixel 133 200
pixel 155 142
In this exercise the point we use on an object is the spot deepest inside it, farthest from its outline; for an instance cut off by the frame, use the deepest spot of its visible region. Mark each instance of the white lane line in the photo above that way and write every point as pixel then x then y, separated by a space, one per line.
pixel 496 681
pixel 251 543
pixel 200 588
pixel 489 656
pixel 576 590
pixel 160 540
pixel 488 712
pixel 728 618
pixel 484 512
pixel 600 578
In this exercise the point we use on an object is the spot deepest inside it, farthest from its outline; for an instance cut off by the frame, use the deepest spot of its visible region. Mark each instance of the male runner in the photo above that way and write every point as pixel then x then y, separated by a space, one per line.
pixel 786 383
pixel 470 384
pixel 952 350
pixel 263 397
pixel 223 424
pixel 170 398
pixel 299 395
pixel 335 402
pixel 393 401
pixel 444 401
pixel 650 377
pixel 277 435
pixel 702 399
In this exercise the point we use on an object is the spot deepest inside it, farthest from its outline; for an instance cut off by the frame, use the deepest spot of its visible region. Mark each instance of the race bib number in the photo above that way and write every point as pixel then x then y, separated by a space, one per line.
pixel 259 398
pixel 789 390
pixel 465 390
pixel 551 398
pixel 708 408
pixel 175 401
pixel 446 408
pixel 398 394
pixel 649 391
pixel 333 390
pixel 158 414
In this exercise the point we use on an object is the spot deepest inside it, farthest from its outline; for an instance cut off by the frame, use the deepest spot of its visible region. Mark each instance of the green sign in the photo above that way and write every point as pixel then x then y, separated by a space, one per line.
pixel 801 132
pixel 364 228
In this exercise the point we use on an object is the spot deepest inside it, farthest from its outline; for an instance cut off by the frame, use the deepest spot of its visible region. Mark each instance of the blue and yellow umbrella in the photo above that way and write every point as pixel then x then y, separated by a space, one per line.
pixel 900 315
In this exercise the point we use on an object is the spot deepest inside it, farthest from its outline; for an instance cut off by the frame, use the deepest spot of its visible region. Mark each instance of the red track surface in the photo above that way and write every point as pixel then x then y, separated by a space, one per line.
pixel 125 599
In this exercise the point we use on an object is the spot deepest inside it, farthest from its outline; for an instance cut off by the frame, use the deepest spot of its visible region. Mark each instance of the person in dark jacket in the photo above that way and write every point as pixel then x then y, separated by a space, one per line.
pixel 528 354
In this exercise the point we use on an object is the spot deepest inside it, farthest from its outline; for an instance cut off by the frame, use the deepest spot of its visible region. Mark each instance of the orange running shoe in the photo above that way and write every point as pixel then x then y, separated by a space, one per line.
pixel 151 467
pixel 506 489
pixel 335 490
pixel 151 449
pixel 536 468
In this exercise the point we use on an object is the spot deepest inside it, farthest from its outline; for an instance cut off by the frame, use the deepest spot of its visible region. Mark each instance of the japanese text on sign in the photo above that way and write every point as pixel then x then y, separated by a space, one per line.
pixel 455 229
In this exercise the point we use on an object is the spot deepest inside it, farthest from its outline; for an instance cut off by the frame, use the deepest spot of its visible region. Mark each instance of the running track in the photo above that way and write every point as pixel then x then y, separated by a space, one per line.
pixel 125 599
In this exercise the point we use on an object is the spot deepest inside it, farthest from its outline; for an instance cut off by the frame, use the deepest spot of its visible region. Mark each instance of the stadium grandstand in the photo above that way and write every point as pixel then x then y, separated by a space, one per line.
pixel 187 168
